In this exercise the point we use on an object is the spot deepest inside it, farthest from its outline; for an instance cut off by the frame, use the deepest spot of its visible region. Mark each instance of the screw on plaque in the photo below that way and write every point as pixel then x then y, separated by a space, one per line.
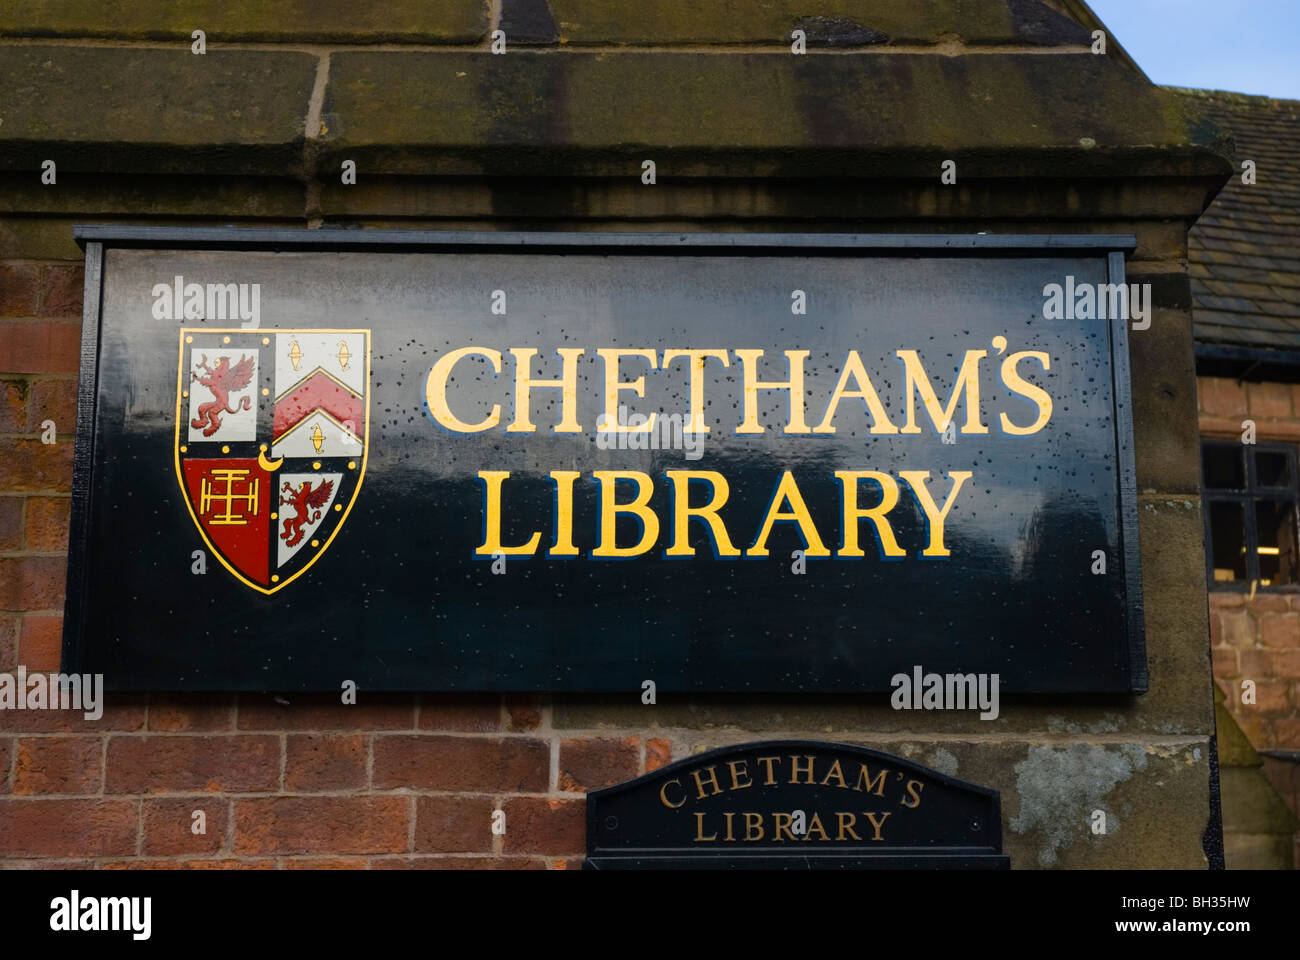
pixel 976 825
pixel 611 823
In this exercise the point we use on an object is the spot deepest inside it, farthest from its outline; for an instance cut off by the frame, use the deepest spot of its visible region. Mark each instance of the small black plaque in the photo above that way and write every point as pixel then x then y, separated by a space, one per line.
pixel 795 804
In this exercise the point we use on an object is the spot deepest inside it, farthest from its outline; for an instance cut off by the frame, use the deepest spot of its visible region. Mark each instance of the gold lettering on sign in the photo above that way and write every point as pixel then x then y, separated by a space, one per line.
pixel 614 386
pixel 696 358
pixel 492 481
pixel 749 360
pixel 699 829
pixel 878 783
pixel 435 391
pixel 663 795
pixel 736 774
pixel 877 514
pixel 567 384
pixel 835 772
pixel 713 779
pixel 846 822
pixel 855 370
pixel 877 824
pixel 815 826
pixel 781 824
pixel 796 770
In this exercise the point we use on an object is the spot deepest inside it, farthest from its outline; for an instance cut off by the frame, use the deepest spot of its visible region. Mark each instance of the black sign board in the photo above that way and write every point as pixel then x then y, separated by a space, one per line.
pixel 463 461
pixel 794 804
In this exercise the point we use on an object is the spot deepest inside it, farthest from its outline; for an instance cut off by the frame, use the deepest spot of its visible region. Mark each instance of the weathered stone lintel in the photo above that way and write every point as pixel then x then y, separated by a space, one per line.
pixel 1002 116
pixel 893 115
pixel 831 23
pixel 136 110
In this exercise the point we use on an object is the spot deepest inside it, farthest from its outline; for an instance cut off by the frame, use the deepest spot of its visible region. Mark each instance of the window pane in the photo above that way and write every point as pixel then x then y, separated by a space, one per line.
pixel 1224 466
pixel 1272 469
pixel 1227 541
pixel 1275 520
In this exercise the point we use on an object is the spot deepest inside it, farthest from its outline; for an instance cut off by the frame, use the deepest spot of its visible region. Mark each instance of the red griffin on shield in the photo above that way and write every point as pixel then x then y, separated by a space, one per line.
pixel 222 380
pixel 303 500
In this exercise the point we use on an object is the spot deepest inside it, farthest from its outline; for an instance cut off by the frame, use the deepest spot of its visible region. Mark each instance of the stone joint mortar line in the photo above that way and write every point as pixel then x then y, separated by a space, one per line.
pixel 12 771
pixel 313 131
pixel 410 824
pixel 498 840
pixel 229 843
pixel 370 762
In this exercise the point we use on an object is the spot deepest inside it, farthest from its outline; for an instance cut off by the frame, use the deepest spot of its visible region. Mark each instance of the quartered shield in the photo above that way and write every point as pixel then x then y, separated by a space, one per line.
pixel 271 440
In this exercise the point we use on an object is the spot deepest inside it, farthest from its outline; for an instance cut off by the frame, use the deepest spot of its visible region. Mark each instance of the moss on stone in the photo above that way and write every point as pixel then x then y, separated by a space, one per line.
pixel 337 21
pixel 757 115
pixel 1234 748
pixel 109 109
pixel 899 21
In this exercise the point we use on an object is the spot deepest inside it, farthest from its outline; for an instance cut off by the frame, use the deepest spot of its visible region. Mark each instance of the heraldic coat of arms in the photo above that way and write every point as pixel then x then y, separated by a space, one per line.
pixel 271 439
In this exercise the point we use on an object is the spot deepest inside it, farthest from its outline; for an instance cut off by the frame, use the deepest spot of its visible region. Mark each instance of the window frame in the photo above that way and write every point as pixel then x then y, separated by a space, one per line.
pixel 1246 498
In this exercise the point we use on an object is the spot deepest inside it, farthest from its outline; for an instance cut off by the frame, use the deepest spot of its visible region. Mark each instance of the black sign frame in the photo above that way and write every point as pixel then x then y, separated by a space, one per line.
pixel 96 239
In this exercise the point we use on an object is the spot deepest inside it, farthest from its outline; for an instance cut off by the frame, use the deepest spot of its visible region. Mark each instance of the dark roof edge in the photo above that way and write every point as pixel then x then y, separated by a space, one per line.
pixel 1231 97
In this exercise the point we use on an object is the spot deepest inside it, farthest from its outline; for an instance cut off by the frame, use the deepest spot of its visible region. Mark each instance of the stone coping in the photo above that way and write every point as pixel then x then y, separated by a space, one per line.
pixel 136 109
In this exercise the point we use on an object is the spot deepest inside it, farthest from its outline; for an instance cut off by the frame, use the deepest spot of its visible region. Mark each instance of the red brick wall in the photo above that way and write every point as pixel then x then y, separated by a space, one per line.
pixel 1259 639
pixel 1256 638
pixel 40 336
pixel 393 782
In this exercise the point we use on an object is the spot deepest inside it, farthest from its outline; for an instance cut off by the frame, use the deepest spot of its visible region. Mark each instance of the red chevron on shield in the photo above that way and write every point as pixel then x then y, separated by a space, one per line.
pixel 271 429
